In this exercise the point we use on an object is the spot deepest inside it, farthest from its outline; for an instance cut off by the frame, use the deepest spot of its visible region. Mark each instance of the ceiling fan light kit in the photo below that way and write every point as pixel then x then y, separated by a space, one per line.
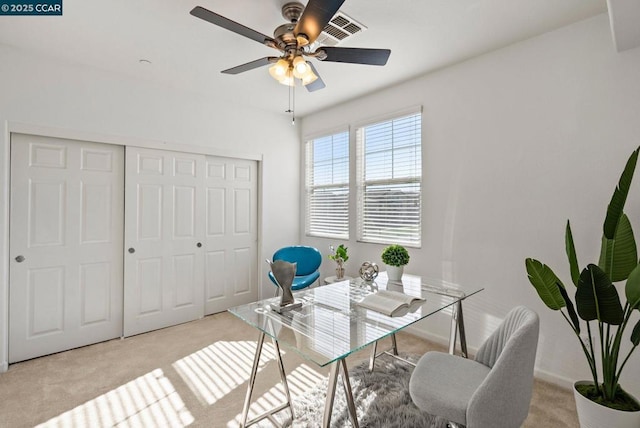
pixel 285 70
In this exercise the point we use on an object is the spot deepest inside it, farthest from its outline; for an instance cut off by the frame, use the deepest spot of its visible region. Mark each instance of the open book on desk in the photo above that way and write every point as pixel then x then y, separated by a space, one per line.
pixel 390 303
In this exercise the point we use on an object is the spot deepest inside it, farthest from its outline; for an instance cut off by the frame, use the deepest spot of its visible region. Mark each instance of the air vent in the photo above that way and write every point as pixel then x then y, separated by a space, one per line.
pixel 338 29
pixel 335 33
pixel 340 21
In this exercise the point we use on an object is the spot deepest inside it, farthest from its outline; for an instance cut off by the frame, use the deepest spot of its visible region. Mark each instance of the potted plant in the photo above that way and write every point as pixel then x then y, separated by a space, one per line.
pixel 599 401
pixel 339 255
pixel 395 257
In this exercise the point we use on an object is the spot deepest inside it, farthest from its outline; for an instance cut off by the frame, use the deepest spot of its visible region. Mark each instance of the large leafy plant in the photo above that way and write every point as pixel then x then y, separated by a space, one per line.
pixel 596 298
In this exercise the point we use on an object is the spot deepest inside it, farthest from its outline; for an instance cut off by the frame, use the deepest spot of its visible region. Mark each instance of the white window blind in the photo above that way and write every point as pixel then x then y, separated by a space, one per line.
pixel 389 179
pixel 327 185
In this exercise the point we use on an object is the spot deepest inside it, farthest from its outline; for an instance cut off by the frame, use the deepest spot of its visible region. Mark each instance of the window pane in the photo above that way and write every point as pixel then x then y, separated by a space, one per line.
pixel 328 212
pixel 407 163
pixel 378 166
pixel 327 179
pixel 341 171
pixel 322 149
pixel 391 214
pixel 389 181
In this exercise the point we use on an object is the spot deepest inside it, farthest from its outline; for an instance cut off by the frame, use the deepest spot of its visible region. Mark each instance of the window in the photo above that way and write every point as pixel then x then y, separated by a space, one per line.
pixel 327 186
pixel 389 175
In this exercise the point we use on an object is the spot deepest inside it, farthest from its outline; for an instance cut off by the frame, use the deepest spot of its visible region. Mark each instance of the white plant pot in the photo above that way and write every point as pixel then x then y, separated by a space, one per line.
pixel 394 273
pixel 594 415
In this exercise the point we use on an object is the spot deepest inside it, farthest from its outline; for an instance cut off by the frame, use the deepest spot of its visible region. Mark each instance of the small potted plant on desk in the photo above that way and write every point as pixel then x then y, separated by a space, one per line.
pixel 601 404
pixel 395 257
pixel 339 255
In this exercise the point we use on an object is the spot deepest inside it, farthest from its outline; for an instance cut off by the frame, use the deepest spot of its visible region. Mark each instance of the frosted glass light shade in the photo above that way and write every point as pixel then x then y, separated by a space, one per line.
pixel 300 67
pixel 279 69
pixel 309 77
pixel 287 79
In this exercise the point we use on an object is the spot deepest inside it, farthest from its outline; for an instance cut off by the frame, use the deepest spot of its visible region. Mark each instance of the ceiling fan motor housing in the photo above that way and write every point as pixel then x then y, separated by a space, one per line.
pixel 284 36
pixel 291 11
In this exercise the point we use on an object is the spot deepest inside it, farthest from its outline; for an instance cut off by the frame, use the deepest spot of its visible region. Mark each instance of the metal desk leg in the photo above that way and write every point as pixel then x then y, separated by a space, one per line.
pixel 349 394
pixel 252 379
pixel 283 377
pixel 453 332
pixel 372 358
pixel 336 367
pixel 331 393
pixel 457 325
pixel 463 336
pixel 394 344
pixel 393 349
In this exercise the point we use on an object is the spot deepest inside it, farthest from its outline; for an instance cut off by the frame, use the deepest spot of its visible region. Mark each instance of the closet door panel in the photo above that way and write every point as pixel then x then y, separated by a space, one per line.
pixel 164 265
pixel 231 234
pixel 66 228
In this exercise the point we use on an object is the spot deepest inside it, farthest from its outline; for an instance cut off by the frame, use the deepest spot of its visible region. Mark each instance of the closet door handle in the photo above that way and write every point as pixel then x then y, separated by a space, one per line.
pixel 132 250
pixel 199 244
pixel 20 259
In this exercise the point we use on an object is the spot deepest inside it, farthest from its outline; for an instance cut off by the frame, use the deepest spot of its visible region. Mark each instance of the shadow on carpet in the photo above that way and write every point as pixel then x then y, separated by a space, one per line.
pixel 382 400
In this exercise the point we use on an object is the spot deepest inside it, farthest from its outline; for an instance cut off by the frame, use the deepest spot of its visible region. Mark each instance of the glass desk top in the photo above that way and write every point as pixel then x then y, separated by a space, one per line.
pixel 330 325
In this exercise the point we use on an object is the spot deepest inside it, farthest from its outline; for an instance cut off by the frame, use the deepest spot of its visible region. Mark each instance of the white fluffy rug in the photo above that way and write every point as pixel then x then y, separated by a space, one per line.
pixel 382 400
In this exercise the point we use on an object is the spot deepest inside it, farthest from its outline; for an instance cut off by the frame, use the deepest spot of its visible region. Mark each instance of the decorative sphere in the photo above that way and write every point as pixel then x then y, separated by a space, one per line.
pixel 369 271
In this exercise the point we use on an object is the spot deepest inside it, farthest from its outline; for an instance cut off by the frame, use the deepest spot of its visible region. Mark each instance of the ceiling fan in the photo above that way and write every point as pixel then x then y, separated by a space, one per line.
pixel 293 40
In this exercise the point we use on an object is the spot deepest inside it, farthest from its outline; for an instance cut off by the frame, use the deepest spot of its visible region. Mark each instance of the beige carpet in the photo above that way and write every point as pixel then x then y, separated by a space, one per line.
pixel 194 374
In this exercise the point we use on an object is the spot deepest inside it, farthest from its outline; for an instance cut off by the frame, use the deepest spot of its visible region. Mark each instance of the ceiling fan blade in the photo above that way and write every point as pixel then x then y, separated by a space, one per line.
pixel 221 21
pixel 316 84
pixel 355 55
pixel 315 17
pixel 251 65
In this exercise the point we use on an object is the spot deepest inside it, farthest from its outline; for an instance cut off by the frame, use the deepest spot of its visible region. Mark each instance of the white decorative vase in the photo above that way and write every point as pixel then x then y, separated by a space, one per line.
pixel 395 273
pixel 594 415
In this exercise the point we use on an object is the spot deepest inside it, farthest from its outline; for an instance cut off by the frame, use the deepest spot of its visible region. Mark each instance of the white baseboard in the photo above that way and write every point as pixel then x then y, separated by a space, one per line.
pixel 555 379
pixel 4 366
pixel 543 375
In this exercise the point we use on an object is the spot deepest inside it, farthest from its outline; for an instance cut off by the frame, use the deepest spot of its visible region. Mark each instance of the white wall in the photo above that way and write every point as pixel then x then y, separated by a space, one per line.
pixel 42 92
pixel 515 142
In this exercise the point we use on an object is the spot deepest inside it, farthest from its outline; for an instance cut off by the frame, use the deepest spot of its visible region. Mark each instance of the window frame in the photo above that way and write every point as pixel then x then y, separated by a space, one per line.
pixel 309 169
pixel 361 183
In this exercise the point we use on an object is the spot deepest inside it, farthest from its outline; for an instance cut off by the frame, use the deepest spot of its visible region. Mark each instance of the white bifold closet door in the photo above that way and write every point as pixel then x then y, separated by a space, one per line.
pixel 190 237
pixel 66 230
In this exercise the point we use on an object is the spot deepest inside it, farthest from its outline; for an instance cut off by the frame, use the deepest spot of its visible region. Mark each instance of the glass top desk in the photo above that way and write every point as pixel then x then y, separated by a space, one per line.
pixel 330 326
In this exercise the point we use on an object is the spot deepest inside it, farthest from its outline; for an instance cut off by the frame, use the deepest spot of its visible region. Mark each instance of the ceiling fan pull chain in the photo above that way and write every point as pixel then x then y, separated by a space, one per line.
pixel 293 102
pixel 290 109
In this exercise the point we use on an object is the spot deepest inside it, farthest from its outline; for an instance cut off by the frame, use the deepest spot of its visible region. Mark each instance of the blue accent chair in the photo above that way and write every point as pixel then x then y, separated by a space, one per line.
pixel 308 261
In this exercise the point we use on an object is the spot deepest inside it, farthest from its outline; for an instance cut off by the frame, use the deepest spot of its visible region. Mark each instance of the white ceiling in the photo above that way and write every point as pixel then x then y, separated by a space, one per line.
pixel 188 53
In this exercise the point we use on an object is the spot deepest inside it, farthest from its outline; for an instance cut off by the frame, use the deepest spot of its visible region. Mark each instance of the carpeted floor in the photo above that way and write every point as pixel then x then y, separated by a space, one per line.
pixel 381 397
pixel 194 374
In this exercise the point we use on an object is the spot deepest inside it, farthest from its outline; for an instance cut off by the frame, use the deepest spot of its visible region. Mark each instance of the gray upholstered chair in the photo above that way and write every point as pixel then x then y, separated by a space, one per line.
pixel 494 391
